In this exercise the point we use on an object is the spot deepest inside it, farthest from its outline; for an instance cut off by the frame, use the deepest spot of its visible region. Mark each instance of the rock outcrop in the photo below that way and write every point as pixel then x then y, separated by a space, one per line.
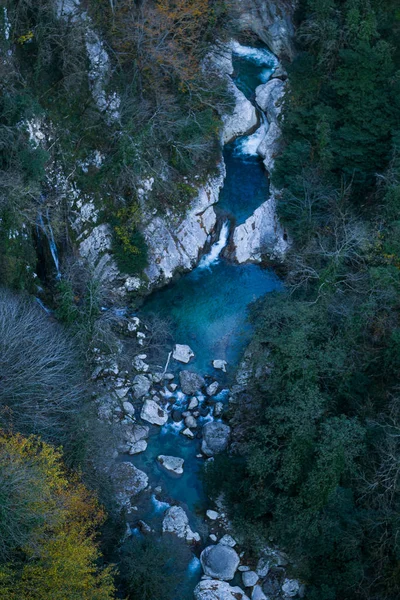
pixel 176 521
pixel 261 234
pixel 128 481
pixel 243 118
pixel 218 590
pixel 271 21
pixel 175 243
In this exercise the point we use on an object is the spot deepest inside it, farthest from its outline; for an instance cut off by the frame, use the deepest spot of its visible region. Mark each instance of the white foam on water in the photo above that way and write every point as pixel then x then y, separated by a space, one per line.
pixel 194 566
pixel 212 257
pixel 260 56
pixel 172 427
pixel 158 505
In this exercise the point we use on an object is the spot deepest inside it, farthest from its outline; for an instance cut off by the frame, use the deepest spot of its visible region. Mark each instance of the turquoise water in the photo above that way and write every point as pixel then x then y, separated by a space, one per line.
pixel 208 308
pixel 246 184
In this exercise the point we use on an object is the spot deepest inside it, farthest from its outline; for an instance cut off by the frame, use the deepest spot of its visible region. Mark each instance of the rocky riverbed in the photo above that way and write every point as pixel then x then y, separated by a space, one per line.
pixel 170 422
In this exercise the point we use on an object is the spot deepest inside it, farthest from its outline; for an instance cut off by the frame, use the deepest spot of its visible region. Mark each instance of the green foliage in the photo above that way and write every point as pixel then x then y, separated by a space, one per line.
pixel 153 568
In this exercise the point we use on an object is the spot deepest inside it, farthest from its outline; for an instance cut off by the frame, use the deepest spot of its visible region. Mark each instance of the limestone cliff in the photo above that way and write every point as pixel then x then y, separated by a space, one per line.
pixel 271 21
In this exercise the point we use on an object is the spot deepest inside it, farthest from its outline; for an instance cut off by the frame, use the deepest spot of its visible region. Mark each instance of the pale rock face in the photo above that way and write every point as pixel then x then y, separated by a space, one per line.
pixel 128 408
pixel 176 521
pixel 243 118
pixel 269 98
pixel 98 242
pixel 188 433
pixel 270 146
pixel 260 234
pixel 220 562
pixel 153 413
pixel 270 21
pixel 218 590
pixel 171 463
pixel 182 353
pixel 175 243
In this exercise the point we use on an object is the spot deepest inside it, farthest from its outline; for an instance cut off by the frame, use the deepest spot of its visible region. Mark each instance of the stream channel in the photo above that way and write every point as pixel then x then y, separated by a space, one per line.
pixel 208 309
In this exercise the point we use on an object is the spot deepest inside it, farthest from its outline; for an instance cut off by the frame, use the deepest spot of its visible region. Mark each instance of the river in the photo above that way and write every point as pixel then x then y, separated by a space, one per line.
pixel 208 310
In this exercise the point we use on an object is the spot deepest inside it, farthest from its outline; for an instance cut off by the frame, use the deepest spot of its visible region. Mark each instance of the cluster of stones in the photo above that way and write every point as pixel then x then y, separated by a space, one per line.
pixel 138 401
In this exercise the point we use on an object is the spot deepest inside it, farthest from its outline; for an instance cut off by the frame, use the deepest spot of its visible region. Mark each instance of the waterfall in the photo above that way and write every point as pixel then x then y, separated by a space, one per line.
pixel 46 228
pixel 249 144
pixel 213 256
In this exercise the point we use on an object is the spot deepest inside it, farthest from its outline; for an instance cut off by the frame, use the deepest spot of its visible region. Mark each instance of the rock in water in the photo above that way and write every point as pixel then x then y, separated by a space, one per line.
pixel 212 388
pixel 153 413
pixel 171 463
pixel 128 481
pixel 218 590
pixel 258 594
pixel 215 438
pixel 290 588
pixel 220 562
pixel 191 382
pixel 176 521
pixel 182 353
pixel 219 364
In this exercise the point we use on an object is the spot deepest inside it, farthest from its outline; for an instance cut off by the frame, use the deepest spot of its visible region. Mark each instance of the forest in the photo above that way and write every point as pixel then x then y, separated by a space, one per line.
pixel 319 429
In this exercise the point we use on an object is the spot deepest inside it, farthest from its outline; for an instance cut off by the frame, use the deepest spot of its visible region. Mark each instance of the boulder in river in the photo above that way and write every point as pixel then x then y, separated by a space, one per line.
pixel 141 386
pixel 212 389
pixel 128 481
pixel 215 438
pixel 188 433
pixel 219 364
pixel 191 382
pixel 269 98
pixel 220 562
pixel 258 594
pixel 176 521
pixel 182 353
pixel 153 413
pixel 190 422
pixel 210 589
pixel 171 463
pixel 243 118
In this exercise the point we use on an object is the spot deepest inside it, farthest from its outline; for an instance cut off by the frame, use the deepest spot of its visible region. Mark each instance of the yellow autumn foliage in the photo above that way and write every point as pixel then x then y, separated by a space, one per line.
pixel 59 560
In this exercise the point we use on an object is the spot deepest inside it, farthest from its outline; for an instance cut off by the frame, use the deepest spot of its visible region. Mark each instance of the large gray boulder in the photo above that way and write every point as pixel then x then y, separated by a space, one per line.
pixel 176 521
pixel 215 438
pixel 171 463
pixel 153 413
pixel 220 562
pixel 269 98
pixel 191 382
pixel 210 589
pixel 243 118
pixel 182 353
pixel 128 481
pixel 141 386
